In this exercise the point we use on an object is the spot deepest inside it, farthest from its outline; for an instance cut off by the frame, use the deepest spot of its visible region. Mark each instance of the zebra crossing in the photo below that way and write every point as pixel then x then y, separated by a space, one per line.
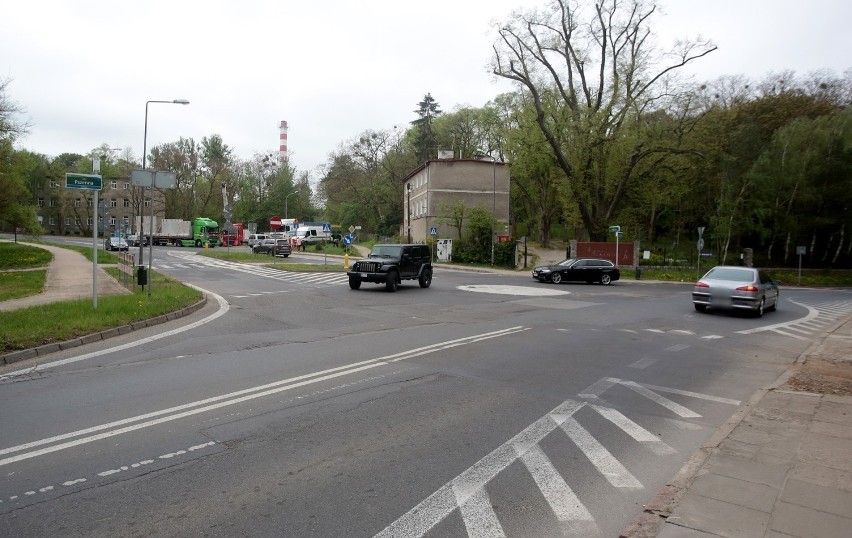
pixel 311 278
pixel 467 494
pixel 820 317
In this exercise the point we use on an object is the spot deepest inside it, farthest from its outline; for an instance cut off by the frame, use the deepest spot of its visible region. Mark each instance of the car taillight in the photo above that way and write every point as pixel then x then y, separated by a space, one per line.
pixel 747 288
pixel 700 284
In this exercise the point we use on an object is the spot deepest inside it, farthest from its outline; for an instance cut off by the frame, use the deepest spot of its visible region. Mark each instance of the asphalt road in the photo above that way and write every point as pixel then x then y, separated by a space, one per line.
pixel 485 405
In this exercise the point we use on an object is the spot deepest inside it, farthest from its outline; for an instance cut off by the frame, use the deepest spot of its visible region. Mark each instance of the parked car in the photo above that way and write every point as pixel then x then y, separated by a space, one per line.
pixel 273 247
pixel 115 243
pixel 254 239
pixel 579 270
pixel 736 288
pixel 282 248
pixel 134 240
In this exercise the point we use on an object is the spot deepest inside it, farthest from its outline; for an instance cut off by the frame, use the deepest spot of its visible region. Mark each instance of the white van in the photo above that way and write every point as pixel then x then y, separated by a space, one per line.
pixel 311 235
pixel 255 239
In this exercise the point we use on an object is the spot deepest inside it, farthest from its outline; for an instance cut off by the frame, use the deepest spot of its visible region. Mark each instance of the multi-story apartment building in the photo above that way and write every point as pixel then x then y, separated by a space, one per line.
pixel 432 188
pixel 64 211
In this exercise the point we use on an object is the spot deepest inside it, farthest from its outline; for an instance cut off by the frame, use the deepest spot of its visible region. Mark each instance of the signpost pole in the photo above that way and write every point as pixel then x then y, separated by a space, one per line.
pixel 92 182
pixel 95 255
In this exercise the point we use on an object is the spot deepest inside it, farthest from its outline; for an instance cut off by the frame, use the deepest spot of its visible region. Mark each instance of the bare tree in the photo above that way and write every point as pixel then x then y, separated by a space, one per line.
pixel 593 74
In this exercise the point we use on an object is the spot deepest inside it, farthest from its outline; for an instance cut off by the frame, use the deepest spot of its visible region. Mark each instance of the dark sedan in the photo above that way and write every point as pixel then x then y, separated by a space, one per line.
pixel 274 247
pixel 578 270
pixel 115 243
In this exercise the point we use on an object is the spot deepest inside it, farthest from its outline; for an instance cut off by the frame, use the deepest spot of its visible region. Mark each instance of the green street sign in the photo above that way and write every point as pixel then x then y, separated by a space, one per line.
pixel 89 182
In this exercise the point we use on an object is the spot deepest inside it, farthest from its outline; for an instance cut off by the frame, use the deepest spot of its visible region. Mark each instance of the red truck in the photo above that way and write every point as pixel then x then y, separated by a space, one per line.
pixel 234 238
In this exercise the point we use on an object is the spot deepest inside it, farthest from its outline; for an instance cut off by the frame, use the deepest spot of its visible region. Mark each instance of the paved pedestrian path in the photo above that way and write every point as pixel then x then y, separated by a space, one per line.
pixel 780 467
pixel 69 276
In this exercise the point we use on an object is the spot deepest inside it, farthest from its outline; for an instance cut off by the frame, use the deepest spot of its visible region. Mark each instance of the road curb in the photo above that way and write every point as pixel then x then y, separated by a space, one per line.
pixel 24 354
pixel 654 514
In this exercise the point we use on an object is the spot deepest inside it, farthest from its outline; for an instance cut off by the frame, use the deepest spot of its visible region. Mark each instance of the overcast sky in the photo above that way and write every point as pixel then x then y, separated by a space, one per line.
pixel 83 69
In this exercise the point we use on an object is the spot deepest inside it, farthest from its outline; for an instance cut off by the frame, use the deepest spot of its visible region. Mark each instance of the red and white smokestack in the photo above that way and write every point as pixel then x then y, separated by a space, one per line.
pixel 282 141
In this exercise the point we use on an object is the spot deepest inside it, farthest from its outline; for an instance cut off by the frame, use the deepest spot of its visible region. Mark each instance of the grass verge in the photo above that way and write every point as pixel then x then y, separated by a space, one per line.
pixel 18 256
pixel 38 325
pixel 16 284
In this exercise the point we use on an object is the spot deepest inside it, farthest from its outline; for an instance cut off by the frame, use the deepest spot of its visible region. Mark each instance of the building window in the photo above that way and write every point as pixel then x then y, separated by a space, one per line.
pixel 76 202
pixel 112 221
pixel 126 220
pixel 67 221
pixel 89 202
pixel 113 203
pixel 126 202
pixel 113 184
pixel 41 202
pixel 54 184
pixel 88 221
pixel 53 202
pixel 147 202
pixel 126 185
pixel 52 221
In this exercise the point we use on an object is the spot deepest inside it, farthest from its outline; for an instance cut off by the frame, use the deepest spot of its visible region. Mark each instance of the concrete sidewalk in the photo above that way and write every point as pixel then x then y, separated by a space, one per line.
pixel 780 467
pixel 69 276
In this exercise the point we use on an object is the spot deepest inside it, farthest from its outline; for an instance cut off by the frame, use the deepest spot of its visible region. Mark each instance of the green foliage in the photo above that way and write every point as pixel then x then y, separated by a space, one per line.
pixel 30 327
pixel 18 256
pixel 427 110
pixel 15 284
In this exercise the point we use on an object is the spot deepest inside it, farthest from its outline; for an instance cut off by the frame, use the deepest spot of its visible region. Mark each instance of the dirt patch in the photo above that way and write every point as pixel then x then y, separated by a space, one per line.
pixel 828 370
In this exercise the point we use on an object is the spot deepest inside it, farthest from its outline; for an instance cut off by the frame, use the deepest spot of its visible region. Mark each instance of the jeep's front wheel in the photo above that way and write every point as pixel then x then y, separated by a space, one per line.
pixel 354 283
pixel 392 281
pixel 425 278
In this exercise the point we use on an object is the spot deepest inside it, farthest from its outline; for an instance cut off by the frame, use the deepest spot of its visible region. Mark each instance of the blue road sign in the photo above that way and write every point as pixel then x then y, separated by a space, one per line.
pixel 433 231
pixel 326 228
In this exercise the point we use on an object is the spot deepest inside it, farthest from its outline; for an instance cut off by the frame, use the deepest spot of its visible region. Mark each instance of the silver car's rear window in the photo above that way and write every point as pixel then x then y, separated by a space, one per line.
pixel 727 273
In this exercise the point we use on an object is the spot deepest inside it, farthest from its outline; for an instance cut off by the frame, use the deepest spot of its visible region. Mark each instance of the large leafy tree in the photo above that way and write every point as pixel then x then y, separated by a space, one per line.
pixel 592 74
pixel 363 182
pixel 16 204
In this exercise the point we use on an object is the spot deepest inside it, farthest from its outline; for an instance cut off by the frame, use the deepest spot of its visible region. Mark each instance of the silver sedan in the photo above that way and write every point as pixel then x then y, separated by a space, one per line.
pixel 736 288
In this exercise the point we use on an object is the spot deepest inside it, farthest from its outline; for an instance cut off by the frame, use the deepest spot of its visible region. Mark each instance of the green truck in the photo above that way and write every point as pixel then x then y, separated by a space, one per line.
pixel 198 232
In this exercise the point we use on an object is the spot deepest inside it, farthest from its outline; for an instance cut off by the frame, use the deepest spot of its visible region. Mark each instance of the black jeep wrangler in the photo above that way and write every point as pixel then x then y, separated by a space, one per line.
pixel 391 264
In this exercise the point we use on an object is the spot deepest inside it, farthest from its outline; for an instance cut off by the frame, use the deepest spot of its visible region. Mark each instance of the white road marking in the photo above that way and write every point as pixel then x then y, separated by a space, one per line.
pixel 697 395
pixel 615 473
pixel 193 408
pixel 598 387
pixel 643 363
pixel 431 511
pixel 223 309
pixel 677 347
pixel 123 468
pixel 479 517
pixel 513 290
pixel 562 500
pixel 674 407
pixel 635 431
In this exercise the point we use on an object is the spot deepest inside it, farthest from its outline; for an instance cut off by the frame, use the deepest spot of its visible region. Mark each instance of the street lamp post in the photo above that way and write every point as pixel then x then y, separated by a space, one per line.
pixel 287 199
pixel 150 193
pixel 494 204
